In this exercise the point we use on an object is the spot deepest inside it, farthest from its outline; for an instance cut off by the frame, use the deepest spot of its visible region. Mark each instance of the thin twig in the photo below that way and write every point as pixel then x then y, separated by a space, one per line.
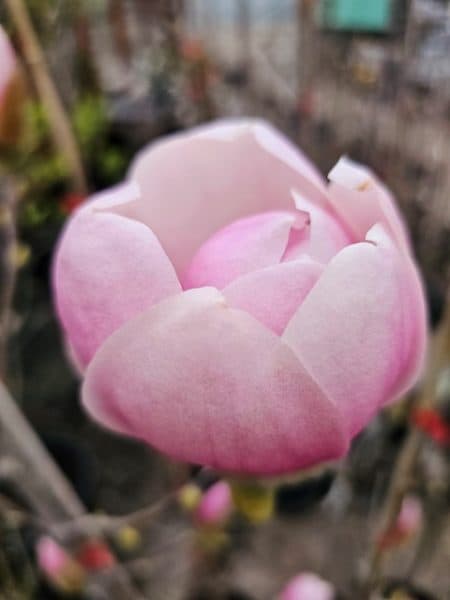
pixel 402 478
pixel 61 130
pixel 99 524
pixel 7 267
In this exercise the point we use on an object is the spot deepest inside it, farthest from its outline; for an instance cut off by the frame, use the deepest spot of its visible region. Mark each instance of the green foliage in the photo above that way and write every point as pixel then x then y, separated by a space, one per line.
pixel 42 172
pixel 89 122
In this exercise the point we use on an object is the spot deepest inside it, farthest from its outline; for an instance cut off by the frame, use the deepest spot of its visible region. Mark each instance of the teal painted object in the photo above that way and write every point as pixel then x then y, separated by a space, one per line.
pixel 356 15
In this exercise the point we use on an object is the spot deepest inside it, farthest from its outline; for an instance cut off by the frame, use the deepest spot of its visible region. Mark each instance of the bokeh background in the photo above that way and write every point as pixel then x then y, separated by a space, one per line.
pixel 369 79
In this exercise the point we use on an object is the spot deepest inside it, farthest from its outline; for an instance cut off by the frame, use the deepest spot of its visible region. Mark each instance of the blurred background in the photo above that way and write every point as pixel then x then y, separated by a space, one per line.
pixel 98 80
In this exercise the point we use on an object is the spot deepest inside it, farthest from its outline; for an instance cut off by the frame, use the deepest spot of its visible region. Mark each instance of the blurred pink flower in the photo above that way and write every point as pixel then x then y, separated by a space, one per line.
pixel 59 568
pixel 308 586
pixel 233 309
pixel 7 64
pixel 409 521
pixel 216 504
pixel 51 557
pixel 410 515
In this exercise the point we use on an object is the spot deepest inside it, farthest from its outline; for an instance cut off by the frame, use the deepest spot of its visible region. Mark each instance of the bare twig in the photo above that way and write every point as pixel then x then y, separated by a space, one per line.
pixel 47 490
pixel 7 267
pixel 61 129
pixel 402 477
pixel 100 524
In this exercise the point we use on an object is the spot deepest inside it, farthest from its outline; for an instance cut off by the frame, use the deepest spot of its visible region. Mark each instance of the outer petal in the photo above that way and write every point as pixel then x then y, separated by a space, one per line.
pixel 245 245
pixel 361 201
pixel 361 330
pixel 326 234
pixel 272 295
pixel 208 384
pixel 107 269
pixel 195 183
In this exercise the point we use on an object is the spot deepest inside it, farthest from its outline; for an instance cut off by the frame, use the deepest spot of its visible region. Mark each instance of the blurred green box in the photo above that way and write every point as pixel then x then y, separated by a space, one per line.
pixel 356 15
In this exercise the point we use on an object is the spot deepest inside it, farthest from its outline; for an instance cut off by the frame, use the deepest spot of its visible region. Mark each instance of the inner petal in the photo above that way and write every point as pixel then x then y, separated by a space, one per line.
pixel 244 246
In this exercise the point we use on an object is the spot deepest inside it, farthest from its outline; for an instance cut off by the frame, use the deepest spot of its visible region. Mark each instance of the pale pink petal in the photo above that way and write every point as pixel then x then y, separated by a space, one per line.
pixel 326 234
pixel 308 586
pixel 208 384
pixel 216 504
pixel 272 295
pixel 7 62
pixel 107 269
pixel 243 246
pixel 361 201
pixel 197 182
pixel 361 330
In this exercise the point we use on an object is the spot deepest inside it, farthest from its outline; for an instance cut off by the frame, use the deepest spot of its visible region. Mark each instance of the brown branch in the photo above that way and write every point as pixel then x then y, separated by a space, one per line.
pixel 60 126
pixel 100 524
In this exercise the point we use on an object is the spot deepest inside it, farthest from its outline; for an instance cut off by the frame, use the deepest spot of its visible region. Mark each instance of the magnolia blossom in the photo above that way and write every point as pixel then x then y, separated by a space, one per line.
pixel 232 309
pixel 308 586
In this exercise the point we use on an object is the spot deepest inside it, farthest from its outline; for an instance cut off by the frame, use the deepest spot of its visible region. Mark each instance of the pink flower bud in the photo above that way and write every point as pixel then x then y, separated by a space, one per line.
pixel 410 516
pixel 59 568
pixel 308 586
pixel 216 505
pixel 51 557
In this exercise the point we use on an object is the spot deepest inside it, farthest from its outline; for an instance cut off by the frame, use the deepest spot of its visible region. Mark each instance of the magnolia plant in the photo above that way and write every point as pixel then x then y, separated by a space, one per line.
pixel 231 309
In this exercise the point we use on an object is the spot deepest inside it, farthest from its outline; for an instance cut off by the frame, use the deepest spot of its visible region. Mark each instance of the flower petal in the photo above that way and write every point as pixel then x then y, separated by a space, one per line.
pixel 107 269
pixel 361 200
pixel 361 330
pixel 326 234
pixel 272 295
pixel 245 245
pixel 198 182
pixel 208 384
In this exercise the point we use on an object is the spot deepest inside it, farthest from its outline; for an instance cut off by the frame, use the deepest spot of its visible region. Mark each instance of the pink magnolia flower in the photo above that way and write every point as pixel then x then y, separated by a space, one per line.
pixel 308 586
pixel 8 64
pixel 234 310
pixel 216 504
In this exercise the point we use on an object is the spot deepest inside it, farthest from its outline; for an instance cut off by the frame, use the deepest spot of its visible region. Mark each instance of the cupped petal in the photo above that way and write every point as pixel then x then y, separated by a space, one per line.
pixel 272 295
pixel 107 269
pixel 243 246
pixel 197 182
pixel 326 234
pixel 361 201
pixel 361 330
pixel 208 384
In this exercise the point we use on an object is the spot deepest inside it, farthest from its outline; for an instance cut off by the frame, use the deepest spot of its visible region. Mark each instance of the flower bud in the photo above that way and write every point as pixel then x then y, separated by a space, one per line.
pixel 59 568
pixel 308 586
pixel 216 505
